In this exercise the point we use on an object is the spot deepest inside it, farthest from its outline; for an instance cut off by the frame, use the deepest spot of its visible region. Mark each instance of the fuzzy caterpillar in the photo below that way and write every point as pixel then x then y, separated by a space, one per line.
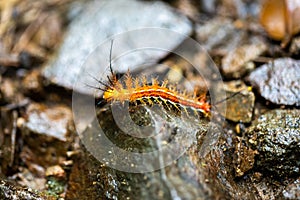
pixel 137 90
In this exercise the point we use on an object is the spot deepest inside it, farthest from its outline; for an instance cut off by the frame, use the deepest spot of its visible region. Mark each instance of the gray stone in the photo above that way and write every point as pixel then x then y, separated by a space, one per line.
pixel 278 81
pixel 143 33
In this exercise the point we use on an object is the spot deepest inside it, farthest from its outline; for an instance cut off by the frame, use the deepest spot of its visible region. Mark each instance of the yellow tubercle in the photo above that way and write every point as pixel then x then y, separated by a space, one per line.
pixel 108 94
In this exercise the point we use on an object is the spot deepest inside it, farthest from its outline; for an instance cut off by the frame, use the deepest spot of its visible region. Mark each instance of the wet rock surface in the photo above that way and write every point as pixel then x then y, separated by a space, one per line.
pixel 276 137
pixel 72 65
pixel 203 171
pixel 278 81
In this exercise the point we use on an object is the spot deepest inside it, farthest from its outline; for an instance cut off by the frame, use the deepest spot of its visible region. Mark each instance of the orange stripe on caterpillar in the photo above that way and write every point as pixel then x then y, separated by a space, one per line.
pixel 135 90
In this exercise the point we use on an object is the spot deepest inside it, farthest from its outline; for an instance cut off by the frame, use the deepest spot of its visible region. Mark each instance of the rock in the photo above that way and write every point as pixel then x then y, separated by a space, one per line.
pixel 291 191
pixel 230 42
pixel 9 90
pixel 244 157
pixel 188 8
pixel 56 171
pixel 128 25
pixel 238 61
pixel 239 108
pixel 138 133
pixel 195 174
pixel 50 121
pixel 295 46
pixel 229 8
pixel 10 191
pixel 50 126
pixel 276 137
pixel 30 179
pixel 219 34
pixel 238 9
pixel 32 83
pixel 278 81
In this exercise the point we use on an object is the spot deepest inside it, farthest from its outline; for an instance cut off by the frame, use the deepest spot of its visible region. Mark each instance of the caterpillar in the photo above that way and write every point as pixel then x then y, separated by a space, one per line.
pixel 137 91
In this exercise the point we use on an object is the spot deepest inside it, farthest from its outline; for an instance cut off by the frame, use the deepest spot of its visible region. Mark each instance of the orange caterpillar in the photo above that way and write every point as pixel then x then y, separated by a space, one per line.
pixel 137 90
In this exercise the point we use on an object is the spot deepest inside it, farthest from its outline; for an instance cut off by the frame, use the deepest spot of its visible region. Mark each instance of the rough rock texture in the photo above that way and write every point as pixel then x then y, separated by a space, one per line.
pixel 291 191
pixel 195 174
pixel 9 191
pixel 276 137
pixel 278 81
pixel 239 107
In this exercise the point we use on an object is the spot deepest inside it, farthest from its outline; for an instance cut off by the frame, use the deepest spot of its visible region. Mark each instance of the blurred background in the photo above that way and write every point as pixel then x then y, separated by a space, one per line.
pixel 253 47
